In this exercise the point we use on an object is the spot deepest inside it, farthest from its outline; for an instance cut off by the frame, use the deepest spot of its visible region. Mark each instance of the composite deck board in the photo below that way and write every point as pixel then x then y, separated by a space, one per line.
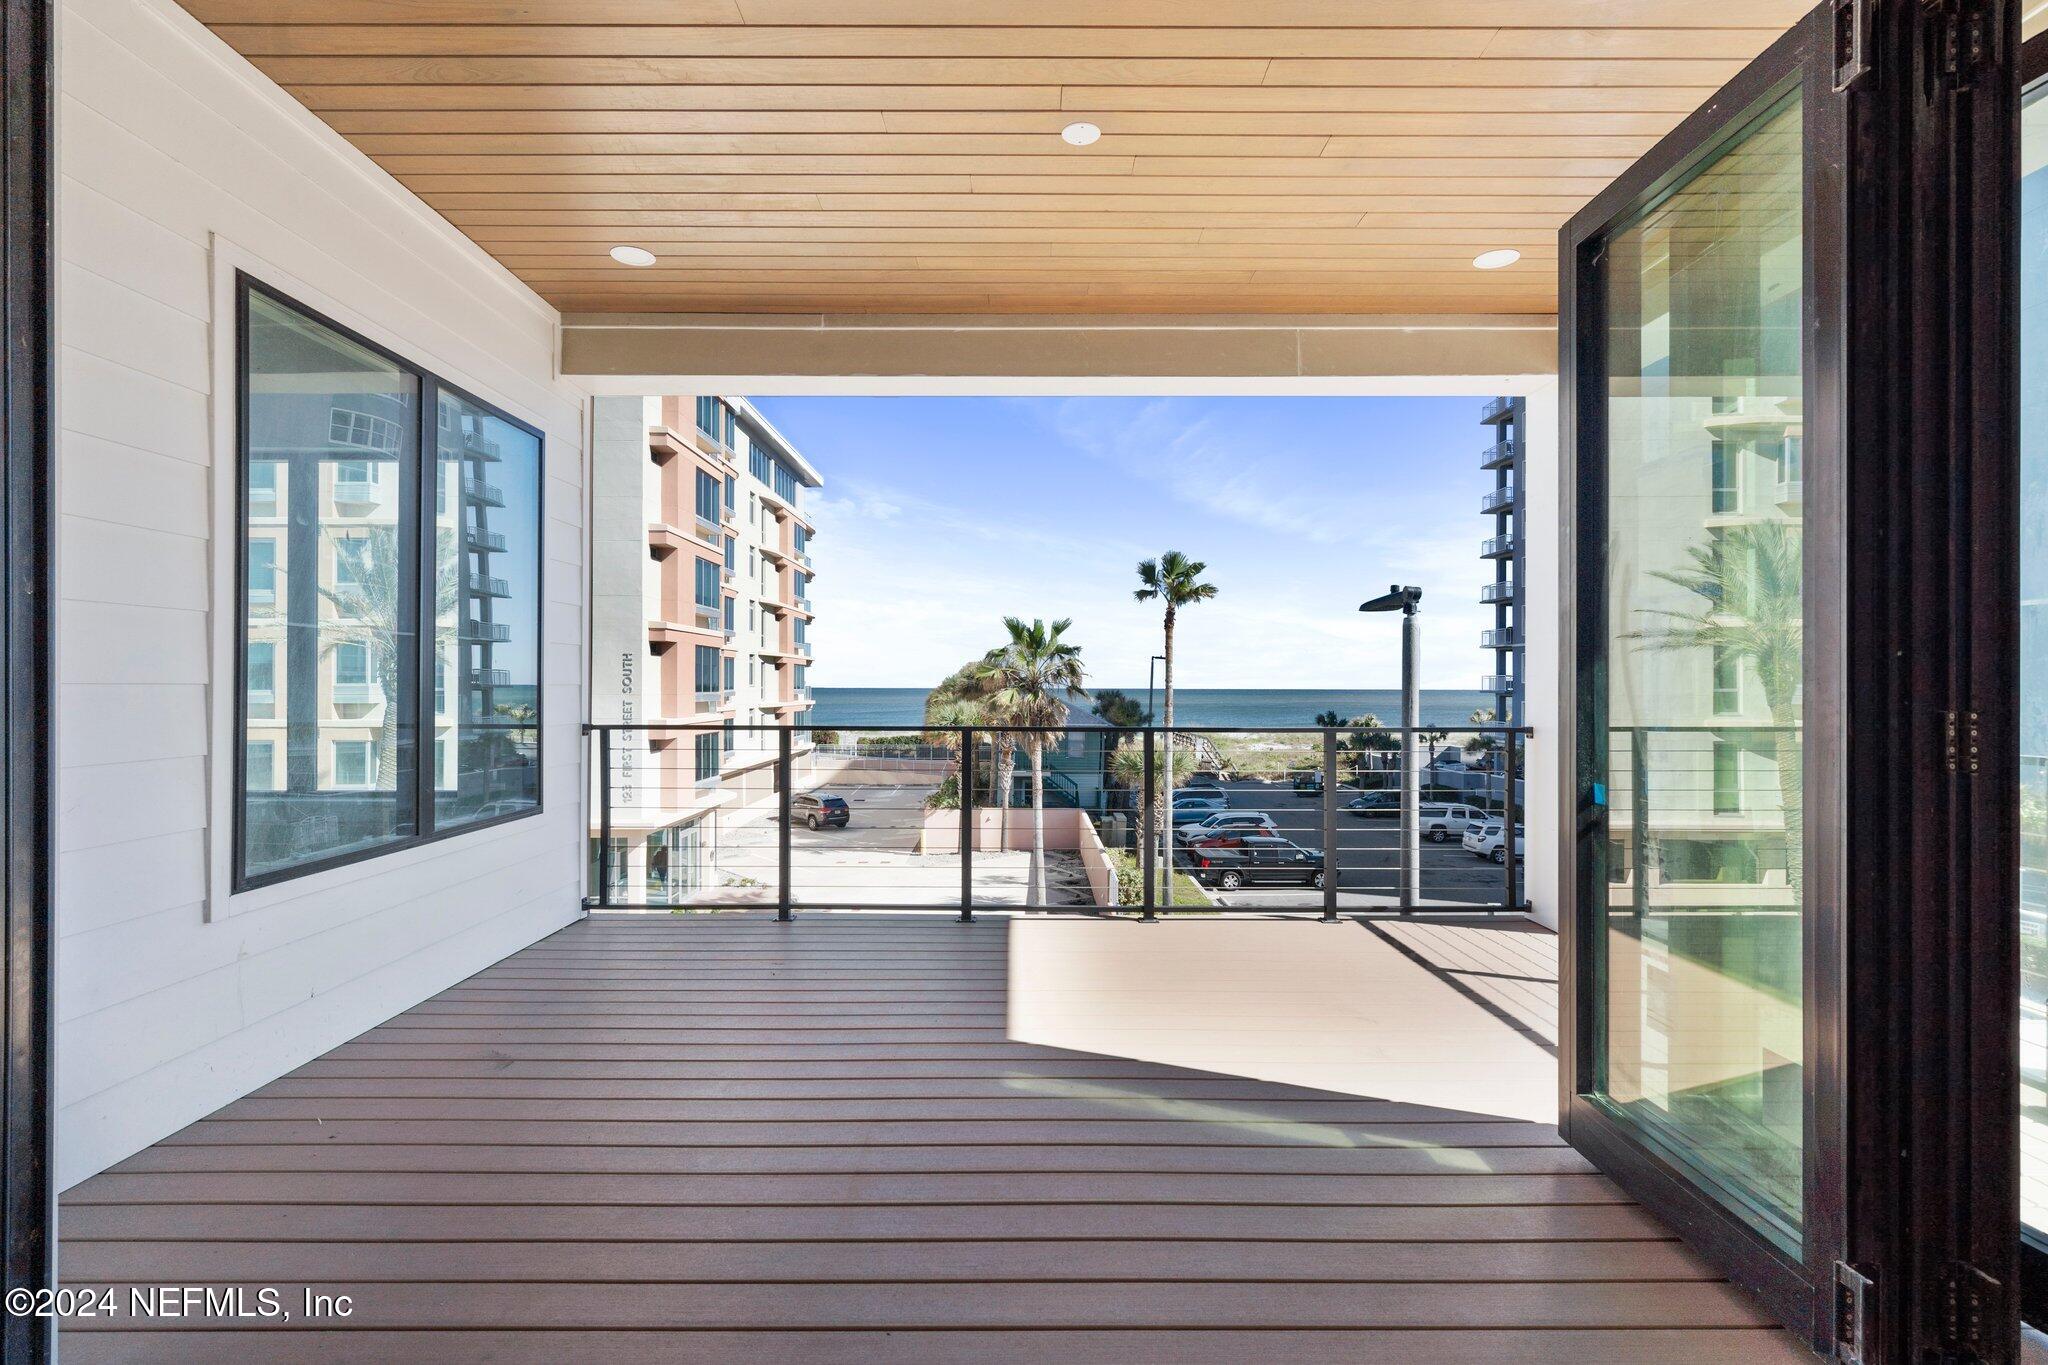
pixel 728 1139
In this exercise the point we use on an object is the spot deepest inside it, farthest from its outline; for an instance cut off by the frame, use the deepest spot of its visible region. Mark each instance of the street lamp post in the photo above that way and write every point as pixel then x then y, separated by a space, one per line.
pixel 1406 600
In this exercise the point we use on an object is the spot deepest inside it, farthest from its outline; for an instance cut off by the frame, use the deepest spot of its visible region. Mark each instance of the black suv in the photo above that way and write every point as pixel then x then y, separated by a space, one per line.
pixel 1257 861
pixel 819 809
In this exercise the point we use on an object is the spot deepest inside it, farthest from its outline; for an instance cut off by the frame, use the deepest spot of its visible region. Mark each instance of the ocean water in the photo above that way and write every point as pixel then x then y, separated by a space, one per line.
pixel 1252 707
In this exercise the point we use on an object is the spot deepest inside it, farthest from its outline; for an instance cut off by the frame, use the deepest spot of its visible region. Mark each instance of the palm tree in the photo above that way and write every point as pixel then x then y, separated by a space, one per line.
pixel 961 699
pixel 1030 682
pixel 1369 738
pixel 1749 582
pixel 1175 580
pixel 1328 720
pixel 1120 710
pixel 1482 743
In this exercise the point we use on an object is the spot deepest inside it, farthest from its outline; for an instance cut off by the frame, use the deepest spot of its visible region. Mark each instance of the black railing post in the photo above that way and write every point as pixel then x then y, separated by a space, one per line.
pixel 1330 862
pixel 604 817
pixel 966 825
pixel 1509 813
pixel 782 795
pixel 1148 843
pixel 1639 824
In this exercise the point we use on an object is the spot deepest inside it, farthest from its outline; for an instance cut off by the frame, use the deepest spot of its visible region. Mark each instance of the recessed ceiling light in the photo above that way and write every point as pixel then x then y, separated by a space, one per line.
pixel 1494 260
pixel 633 255
pixel 1081 134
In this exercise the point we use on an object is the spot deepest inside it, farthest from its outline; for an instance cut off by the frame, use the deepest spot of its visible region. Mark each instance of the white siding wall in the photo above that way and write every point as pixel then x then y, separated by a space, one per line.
pixel 178 162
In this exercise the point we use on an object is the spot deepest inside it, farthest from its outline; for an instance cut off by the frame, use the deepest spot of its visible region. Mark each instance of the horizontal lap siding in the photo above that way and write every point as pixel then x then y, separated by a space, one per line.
pixel 627 1190
pixel 166 140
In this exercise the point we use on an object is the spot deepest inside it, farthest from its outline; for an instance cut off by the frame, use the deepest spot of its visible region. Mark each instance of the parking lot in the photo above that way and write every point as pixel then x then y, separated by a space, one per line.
pixel 1367 854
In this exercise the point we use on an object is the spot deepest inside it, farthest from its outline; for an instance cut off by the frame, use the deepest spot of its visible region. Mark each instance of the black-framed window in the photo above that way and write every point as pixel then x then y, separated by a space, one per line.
pixel 390 656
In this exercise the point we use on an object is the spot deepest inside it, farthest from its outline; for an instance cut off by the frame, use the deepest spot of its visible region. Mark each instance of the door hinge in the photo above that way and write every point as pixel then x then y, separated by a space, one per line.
pixel 1962 746
pixel 1852 42
pixel 1855 1305
pixel 1963 38
pixel 1970 1308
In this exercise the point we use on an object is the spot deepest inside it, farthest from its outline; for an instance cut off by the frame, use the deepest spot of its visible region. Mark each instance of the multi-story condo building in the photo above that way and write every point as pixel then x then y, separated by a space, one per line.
pixel 701 614
pixel 1503 418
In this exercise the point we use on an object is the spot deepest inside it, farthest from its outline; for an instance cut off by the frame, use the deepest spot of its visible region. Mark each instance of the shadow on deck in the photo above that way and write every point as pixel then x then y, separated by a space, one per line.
pixel 722 1138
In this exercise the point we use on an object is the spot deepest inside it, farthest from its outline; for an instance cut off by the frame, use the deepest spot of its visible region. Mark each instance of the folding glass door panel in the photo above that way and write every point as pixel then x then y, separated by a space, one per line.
pixel 1693 306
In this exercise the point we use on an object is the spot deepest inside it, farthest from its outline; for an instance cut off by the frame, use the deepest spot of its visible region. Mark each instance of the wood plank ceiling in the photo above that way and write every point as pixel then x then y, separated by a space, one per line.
pixel 891 156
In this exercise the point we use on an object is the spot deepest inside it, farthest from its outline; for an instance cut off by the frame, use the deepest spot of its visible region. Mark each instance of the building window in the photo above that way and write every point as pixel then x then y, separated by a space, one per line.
pixel 263 488
pixel 1727 463
pixel 260 682
pixel 330 588
pixel 1791 462
pixel 759 464
pixel 1727 683
pixel 1727 777
pixel 354 762
pixel 707 668
pixel 262 572
pixel 708 595
pixel 707 498
pixel 728 667
pixel 707 756
pixel 351 665
pixel 729 733
pixel 259 765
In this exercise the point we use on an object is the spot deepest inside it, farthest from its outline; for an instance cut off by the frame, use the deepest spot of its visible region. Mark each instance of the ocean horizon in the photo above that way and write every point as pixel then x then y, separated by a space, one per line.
pixel 1250 707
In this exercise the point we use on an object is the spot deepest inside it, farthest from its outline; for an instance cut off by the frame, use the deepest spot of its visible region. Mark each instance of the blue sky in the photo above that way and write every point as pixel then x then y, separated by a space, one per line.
pixel 939 516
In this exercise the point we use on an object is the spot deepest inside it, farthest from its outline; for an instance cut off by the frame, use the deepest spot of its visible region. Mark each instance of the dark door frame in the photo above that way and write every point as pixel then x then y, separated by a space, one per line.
pixel 27 1198
pixel 1912 949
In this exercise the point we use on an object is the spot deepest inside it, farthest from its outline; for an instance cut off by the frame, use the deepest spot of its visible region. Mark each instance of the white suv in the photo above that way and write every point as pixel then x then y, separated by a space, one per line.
pixel 1483 840
pixel 1438 823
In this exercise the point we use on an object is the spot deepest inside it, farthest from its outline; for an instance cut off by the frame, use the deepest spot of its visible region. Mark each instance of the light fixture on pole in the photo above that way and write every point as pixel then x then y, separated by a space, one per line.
pixel 1151 672
pixel 1406 601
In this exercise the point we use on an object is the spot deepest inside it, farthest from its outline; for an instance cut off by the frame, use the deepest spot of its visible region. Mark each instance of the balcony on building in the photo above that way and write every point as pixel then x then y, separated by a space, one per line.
pixel 1499 455
pixel 1500 637
pixel 1497 547
pixel 484 585
pixel 718 699
pixel 490 677
pixel 1497 683
pixel 1497 500
pixel 490 632
pixel 487 541
pixel 1497 593
pixel 482 493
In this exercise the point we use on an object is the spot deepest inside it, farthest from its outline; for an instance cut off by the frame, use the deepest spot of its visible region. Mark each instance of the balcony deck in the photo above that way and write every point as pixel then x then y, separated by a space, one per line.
pixel 865 1138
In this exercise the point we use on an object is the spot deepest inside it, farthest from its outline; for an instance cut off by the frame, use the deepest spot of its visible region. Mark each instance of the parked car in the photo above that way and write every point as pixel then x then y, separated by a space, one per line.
pixel 819 809
pixel 1189 807
pixel 1228 822
pixel 1437 823
pixel 1308 782
pixel 1483 840
pixel 1375 803
pixel 1258 861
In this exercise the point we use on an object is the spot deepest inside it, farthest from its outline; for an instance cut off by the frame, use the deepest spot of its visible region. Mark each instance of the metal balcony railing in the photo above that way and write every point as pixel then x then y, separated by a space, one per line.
pixel 1501 637
pixel 1496 409
pixel 1499 455
pixel 496 632
pixel 488 494
pixel 1497 683
pixel 484 585
pixel 490 677
pixel 1294 820
pixel 1501 499
pixel 1497 547
pixel 485 540
pixel 1498 592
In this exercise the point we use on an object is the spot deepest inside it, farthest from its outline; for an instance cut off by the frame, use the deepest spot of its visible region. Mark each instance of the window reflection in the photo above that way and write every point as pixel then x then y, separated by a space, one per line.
pixel 1700 994
pixel 2033 907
